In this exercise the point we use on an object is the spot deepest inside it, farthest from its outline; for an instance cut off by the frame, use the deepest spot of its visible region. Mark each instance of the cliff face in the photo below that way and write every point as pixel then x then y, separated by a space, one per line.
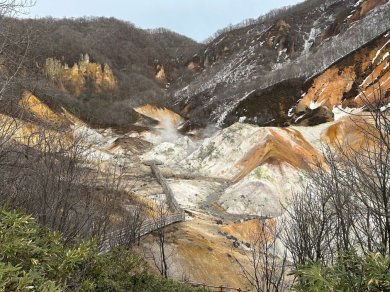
pixel 349 83
pixel 82 77
pixel 164 116
pixel 258 72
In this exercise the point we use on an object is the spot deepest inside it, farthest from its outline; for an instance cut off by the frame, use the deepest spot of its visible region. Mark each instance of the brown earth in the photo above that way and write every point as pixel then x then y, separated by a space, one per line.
pixel 351 82
pixel 279 145
pixel 160 114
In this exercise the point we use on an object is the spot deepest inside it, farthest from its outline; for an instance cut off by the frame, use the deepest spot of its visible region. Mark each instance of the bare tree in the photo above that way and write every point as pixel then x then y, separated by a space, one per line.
pixel 44 168
pixel 160 220
pixel 159 252
pixel 14 46
pixel 13 50
pixel 267 261
pixel 50 181
pixel 345 206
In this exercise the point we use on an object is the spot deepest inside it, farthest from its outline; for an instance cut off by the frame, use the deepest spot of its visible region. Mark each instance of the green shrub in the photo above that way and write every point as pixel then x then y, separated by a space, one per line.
pixel 33 258
pixel 351 272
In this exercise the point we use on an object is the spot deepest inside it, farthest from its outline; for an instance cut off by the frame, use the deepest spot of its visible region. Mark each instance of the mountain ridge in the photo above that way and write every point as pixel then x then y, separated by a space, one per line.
pixel 213 96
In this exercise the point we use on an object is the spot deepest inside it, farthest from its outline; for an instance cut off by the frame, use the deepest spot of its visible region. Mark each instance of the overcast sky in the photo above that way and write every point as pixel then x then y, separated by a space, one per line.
pixel 197 19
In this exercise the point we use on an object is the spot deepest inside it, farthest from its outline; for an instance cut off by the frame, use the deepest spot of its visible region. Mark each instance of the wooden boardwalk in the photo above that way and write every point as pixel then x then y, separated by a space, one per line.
pixel 171 201
pixel 148 226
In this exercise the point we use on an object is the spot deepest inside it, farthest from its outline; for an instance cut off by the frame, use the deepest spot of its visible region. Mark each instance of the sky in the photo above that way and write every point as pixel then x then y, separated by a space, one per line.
pixel 197 19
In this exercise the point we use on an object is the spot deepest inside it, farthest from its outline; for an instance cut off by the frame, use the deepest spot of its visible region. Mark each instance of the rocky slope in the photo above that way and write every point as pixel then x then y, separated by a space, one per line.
pixel 258 72
pixel 306 68
pixel 97 68
pixel 221 180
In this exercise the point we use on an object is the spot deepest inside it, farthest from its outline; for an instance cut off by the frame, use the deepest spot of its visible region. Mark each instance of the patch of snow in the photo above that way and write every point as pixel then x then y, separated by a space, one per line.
pixel 379 51
pixel 315 104
pixel 358 3
pixel 290 112
pixel 373 92
pixel 242 119
pixel 365 80
pixel 314 32
pixel 385 107
pixel 217 43
pixel 340 112
pixel 299 118
pixel 387 54
pixel 277 66
pixel 284 51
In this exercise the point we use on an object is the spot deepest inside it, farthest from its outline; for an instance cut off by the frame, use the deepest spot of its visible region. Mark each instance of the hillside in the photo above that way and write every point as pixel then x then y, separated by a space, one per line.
pixel 105 126
pixel 259 71
pixel 101 68
pixel 236 174
pixel 98 68
pixel 133 54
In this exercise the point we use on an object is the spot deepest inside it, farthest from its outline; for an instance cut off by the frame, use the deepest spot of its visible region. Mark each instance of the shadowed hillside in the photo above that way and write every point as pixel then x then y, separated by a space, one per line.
pixel 99 68
pixel 257 71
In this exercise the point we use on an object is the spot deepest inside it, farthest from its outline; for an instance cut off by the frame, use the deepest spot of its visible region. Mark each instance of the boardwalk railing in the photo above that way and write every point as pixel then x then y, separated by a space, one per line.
pixel 148 226
pixel 116 237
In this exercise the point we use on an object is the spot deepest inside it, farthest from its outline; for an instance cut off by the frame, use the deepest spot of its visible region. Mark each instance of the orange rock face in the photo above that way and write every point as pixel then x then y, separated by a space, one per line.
pixel 246 230
pixel 31 134
pixel 161 76
pixel 350 132
pixel 206 256
pixel 351 83
pixel 164 116
pixel 281 145
pixel 328 89
pixel 40 110
pixel 81 77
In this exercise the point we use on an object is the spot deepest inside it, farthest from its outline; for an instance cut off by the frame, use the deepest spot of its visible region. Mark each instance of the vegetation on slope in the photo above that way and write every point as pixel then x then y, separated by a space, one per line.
pixel 130 57
pixel 34 258
pixel 350 272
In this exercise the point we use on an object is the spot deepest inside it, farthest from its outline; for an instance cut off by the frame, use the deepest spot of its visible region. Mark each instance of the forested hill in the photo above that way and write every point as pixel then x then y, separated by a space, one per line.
pixel 101 68
pixel 127 66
